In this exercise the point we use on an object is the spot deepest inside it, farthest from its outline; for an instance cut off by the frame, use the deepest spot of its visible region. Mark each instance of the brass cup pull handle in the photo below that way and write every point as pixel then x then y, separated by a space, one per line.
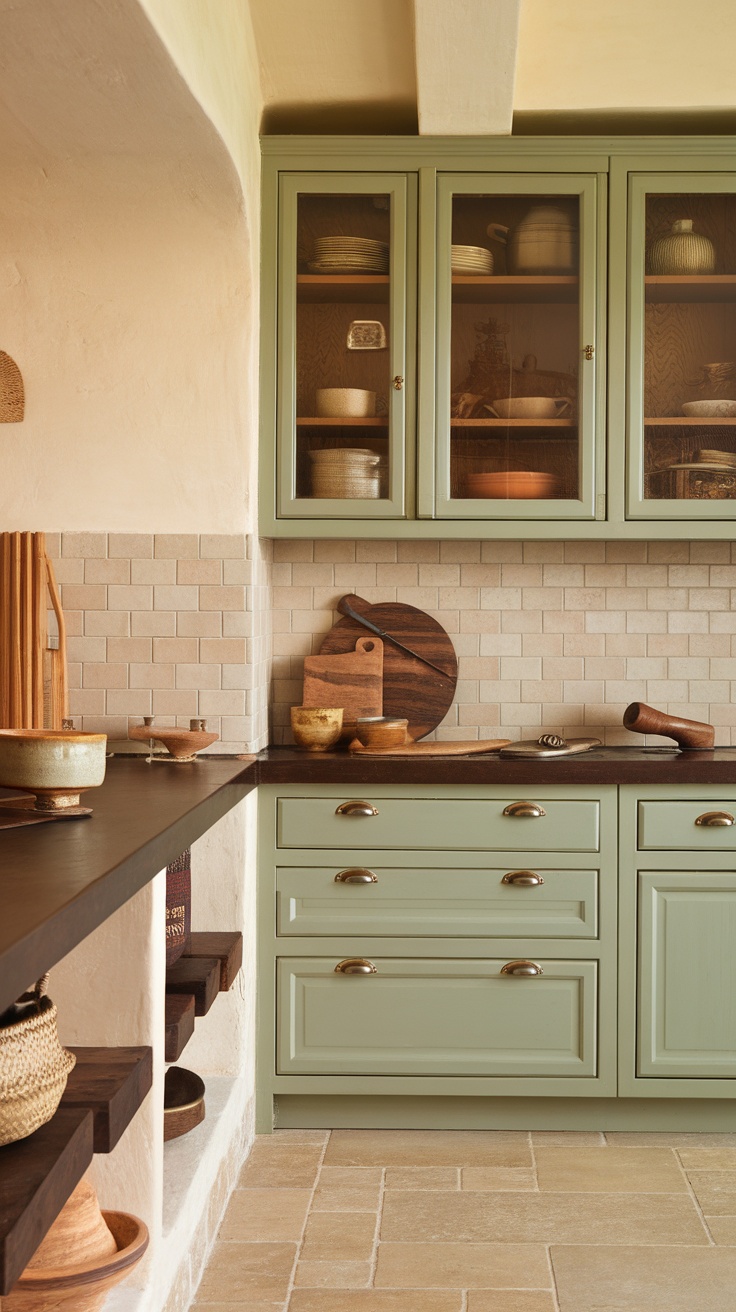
pixel 356 876
pixel 521 968
pixel 524 809
pixel 715 819
pixel 356 808
pixel 523 878
pixel 355 966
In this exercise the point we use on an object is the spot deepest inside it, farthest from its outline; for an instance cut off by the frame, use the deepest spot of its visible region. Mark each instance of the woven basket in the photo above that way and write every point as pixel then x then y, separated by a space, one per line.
pixel 12 394
pixel 33 1069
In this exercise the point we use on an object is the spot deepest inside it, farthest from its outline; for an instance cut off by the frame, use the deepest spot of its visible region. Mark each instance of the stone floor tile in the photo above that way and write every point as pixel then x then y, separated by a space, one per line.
pixel 617 1170
pixel 265 1214
pixel 660 1279
pixel 469 1266
pixel 708 1159
pixel 498 1178
pixel 511 1300
pixel 568 1139
pixel 546 1218
pixel 669 1139
pixel 298 1136
pixel 333 1275
pixel 354 1198
pixel 280 1166
pixel 715 1191
pixel 238 1307
pixel 377 1300
pixel 428 1148
pixel 239 1272
pixel 423 1177
pixel 723 1229
pixel 345 1238
pixel 349 1177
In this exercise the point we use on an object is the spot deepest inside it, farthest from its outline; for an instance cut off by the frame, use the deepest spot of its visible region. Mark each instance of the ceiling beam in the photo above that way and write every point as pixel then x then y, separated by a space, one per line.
pixel 466 66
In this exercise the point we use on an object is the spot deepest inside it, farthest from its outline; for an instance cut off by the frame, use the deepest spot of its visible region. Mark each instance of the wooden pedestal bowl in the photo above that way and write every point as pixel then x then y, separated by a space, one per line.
pixel 55 765
pixel 181 744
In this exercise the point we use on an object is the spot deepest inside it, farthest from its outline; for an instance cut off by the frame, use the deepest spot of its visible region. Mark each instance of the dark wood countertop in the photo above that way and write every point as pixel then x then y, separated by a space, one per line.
pixel 601 765
pixel 60 881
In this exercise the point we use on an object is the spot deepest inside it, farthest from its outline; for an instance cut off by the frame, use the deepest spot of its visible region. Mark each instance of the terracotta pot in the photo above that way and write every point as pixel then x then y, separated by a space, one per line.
pixel 511 485
pixel 113 1243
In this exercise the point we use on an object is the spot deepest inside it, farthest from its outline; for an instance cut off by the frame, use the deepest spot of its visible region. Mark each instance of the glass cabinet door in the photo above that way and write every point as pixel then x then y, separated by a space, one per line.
pixel 682 346
pixel 343 387
pixel 518 342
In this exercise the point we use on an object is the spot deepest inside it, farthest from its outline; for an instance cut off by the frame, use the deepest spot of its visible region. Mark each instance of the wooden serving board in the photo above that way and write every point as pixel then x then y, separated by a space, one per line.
pixel 352 679
pixel 410 688
pixel 474 748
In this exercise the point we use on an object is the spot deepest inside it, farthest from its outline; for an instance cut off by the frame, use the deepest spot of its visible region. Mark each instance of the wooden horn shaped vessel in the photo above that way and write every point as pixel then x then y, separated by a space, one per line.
pixel 690 735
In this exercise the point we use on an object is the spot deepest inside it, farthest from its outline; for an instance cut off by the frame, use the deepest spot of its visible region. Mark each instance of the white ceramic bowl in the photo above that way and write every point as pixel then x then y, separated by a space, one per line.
pixel 531 407
pixel 710 409
pixel 55 764
pixel 345 403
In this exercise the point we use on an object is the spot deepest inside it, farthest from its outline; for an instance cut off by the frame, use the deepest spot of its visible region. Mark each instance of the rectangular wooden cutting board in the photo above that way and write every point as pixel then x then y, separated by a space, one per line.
pixel 353 680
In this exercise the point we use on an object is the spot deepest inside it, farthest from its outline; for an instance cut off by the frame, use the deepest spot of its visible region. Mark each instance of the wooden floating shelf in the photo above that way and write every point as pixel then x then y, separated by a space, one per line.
pixel 179 1024
pixel 328 288
pixel 208 967
pixel 685 421
pixel 312 422
pixel 673 288
pixel 515 289
pixel 38 1174
pixel 513 423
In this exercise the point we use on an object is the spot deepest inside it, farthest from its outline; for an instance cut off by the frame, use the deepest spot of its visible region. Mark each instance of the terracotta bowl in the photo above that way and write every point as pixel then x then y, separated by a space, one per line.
pixel 82 1287
pixel 316 728
pixel 56 765
pixel 511 485
pixel 381 731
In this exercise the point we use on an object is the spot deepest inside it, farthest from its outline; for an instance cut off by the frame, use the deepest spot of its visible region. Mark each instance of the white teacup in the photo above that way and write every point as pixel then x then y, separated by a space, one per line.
pixel 530 407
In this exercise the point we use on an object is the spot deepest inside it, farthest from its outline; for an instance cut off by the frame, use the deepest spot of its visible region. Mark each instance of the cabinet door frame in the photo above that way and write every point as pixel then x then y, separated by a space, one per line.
pixel 401 187
pixel 641 182
pixel 592 190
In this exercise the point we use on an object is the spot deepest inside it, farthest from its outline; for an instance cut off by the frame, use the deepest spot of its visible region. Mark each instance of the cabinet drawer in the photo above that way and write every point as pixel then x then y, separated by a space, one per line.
pixel 446 1017
pixel 674 826
pixel 437 902
pixel 439 824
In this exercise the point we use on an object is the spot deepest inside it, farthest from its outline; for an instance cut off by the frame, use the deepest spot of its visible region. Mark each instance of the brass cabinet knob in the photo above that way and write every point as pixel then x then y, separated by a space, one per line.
pixel 715 819
pixel 523 878
pixel 356 808
pixel 357 875
pixel 521 968
pixel 398 383
pixel 524 809
pixel 355 966
pixel 589 352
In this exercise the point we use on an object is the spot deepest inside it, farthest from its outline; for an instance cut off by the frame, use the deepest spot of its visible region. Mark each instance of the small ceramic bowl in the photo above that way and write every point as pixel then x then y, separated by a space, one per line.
pixel 316 728
pixel 381 731
pixel 530 407
pixel 709 409
pixel 345 403
pixel 54 764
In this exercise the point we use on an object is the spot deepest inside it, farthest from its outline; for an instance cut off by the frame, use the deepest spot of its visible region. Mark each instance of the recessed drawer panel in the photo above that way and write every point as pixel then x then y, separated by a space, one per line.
pixel 532 824
pixel 708 826
pixel 379 900
pixel 435 1017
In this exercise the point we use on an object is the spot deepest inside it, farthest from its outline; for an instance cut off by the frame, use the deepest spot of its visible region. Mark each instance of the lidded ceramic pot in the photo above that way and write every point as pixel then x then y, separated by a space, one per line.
pixel 683 251
pixel 545 242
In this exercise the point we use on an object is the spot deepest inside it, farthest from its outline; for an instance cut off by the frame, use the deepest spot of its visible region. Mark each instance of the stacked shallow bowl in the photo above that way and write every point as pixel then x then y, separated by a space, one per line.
pixel 345 472
pixel 349 255
pixel 471 260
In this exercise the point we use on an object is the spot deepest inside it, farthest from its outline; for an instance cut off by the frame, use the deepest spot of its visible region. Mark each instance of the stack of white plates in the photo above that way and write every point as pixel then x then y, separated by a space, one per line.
pixel 349 255
pixel 471 260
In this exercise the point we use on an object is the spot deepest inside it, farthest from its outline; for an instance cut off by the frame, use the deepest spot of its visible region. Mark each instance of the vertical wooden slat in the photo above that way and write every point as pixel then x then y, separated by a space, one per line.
pixel 5 662
pixel 16 634
pixel 39 626
pixel 22 630
pixel 59 680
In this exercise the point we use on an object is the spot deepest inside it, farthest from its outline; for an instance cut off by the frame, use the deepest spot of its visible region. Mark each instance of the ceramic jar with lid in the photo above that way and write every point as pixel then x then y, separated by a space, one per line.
pixel 682 252
pixel 544 242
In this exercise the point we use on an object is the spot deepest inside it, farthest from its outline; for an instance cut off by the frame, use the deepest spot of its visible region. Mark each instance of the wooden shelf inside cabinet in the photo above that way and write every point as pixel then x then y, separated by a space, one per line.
pixel 517 290
pixel 685 421
pixel 38 1174
pixel 469 426
pixel 348 288
pixel 311 421
pixel 695 287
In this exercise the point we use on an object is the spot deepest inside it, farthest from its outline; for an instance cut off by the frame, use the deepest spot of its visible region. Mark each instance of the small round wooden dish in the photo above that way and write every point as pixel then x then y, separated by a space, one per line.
pixel 183 1102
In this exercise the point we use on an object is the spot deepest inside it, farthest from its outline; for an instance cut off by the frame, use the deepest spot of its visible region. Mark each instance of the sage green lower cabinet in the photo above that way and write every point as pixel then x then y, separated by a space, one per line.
pixel 449 1017
pixel 687 974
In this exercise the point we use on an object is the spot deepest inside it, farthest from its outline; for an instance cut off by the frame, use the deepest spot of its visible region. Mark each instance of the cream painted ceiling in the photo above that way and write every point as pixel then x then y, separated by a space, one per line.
pixel 459 66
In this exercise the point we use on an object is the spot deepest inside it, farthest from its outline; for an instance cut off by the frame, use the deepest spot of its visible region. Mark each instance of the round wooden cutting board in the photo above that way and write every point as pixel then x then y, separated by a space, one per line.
pixel 410 688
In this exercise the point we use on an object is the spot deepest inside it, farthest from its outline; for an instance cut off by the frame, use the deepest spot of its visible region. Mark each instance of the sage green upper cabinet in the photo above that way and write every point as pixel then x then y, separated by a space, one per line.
pixel 682 371
pixel 519 416
pixel 345 330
